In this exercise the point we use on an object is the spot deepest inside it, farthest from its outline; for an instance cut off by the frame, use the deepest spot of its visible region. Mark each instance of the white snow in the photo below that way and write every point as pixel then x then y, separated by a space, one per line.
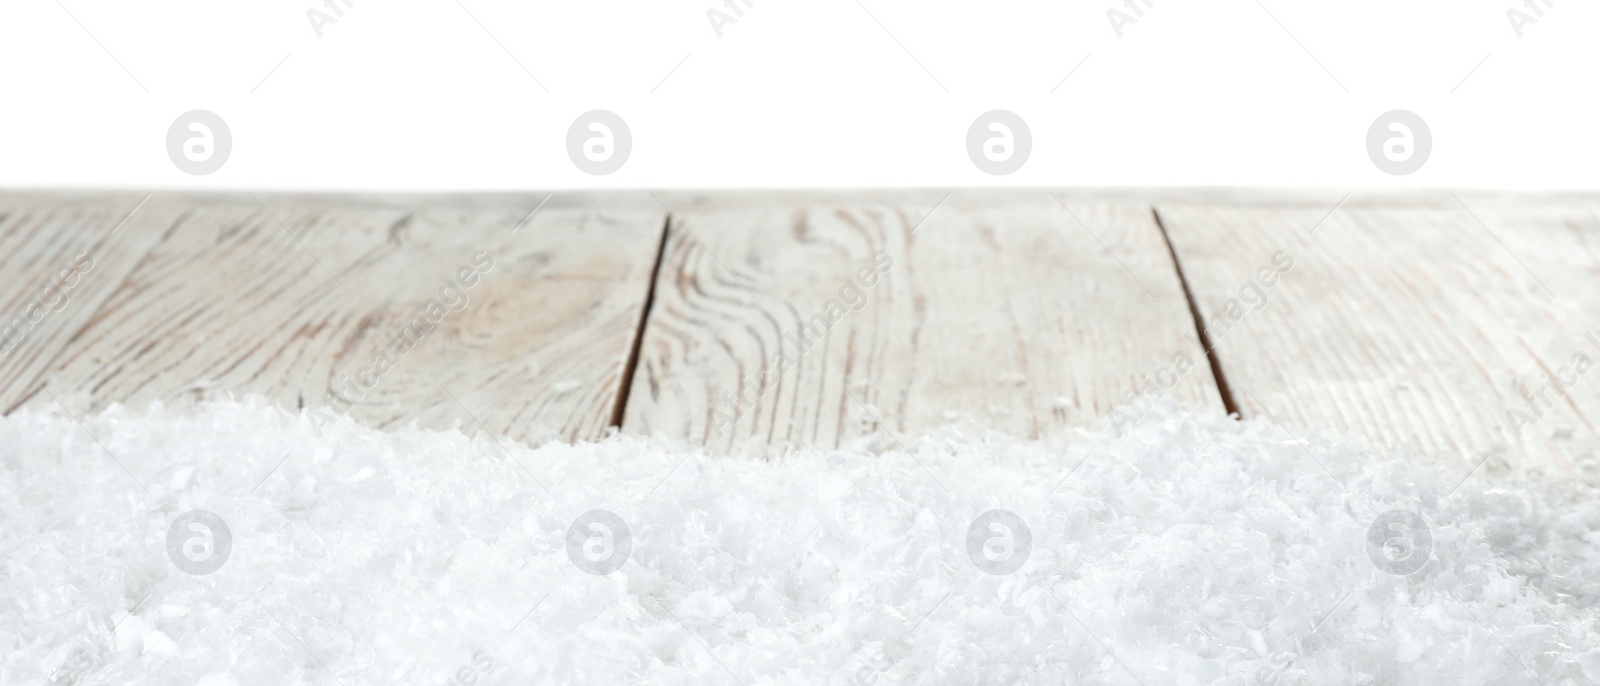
pixel 1190 550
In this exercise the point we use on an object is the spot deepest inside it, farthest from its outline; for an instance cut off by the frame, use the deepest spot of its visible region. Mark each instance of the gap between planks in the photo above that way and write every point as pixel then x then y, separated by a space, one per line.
pixel 183 206
pixel 696 342
pixel 1210 348
pixel 644 322
pixel 1214 362
pixel 114 352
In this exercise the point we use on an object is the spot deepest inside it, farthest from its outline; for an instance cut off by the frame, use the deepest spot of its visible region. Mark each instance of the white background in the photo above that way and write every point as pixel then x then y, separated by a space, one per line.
pixel 414 94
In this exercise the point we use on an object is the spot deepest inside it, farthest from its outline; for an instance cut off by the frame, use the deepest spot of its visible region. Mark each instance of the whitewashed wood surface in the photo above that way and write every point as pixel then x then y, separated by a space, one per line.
pixel 1010 317
pixel 61 256
pixel 291 298
pixel 1409 326
pixel 1409 320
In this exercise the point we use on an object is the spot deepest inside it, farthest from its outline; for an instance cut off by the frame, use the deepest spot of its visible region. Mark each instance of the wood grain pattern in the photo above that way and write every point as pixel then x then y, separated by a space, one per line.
pixel 293 297
pixel 1409 326
pixel 1403 320
pixel 61 257
pixel 1010 317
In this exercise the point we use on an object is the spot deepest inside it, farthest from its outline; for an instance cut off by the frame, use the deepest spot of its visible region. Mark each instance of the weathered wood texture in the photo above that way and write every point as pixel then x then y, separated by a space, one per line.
pixel 1407 325
pixel 230 301
pixel 60 257
pixel 1403 320
pixel 1010 317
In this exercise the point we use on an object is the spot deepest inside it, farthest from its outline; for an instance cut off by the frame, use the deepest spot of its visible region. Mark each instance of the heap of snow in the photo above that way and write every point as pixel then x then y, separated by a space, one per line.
pixel 1189 550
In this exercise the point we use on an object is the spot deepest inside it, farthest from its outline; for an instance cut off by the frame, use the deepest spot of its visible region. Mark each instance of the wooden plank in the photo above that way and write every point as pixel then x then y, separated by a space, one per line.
pixel 450 316
pixel 1407 325
pixel 1010 317
pixel 61 256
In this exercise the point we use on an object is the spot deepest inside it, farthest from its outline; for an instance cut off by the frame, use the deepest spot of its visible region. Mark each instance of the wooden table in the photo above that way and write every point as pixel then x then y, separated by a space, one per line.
pixel 751 322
